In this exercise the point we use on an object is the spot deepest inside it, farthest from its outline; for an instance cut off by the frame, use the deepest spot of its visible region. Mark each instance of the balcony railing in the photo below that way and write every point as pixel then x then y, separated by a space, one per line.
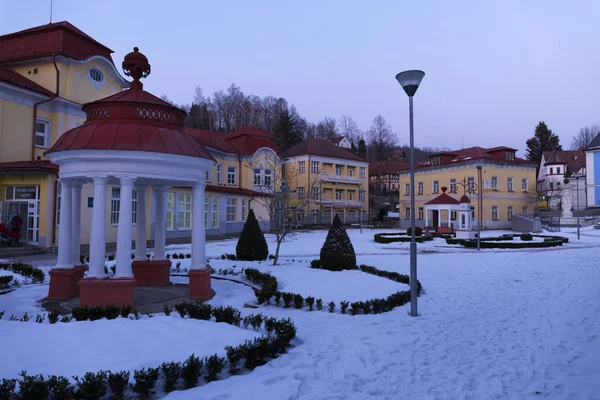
pixel 339 203
pixel 341 179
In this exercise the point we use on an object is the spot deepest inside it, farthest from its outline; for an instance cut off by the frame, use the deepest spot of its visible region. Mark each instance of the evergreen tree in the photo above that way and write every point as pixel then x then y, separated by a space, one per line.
pixel 251 245
pixel 287 130
pixel 543 140
pixel 337 252
pixel 362 148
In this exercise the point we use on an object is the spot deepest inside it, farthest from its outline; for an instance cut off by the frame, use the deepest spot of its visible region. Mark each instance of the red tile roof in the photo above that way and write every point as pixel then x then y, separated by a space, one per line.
pixel 56 38
pixel 228 189
pixel 17 79
pixel 387 167
pixel 323 148
pixel 443 199
pixel 574 159
pixel 28 166
pixel 474 153
pixel 246 141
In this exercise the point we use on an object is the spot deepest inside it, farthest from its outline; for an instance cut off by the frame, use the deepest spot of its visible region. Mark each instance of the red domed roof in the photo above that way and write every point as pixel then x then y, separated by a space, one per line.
pixel 133 120
pixel 465 199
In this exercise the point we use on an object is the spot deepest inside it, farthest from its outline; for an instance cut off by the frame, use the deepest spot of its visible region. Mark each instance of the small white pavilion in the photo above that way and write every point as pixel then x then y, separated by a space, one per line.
pixel 131 139
pixel 449 204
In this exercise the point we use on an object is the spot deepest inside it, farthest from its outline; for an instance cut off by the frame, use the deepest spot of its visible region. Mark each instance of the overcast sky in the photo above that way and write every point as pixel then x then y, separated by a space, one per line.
pixel 494 69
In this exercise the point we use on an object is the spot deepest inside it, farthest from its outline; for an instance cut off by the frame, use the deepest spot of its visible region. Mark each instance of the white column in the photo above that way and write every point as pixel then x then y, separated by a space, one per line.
pixel 140 225
pixel 426 217
pixel 160 226
pixel 124 234
pixel 65 256
pixel 198 231
pixel 98 230
pixel 439 211
pixel 449 217
pixel 76 222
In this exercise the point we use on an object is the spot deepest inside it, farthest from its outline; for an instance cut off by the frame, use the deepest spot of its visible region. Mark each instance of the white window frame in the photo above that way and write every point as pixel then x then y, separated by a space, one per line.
pixel 494 183
pixel 184 211
pixel 420 188
pixel 314 167
pixel 362 172
pixel 171 196
pixel 301 166
pixel 361 195
pixel 301 192
pixel 338 170
pixel 406 212
pixel 206 211
pixel 257 176
pixel 510 185
pixel 219 173
pixel 452 185
pixel 231 175
pixel 58 201
pixel 524 184
pixel 215 212
pixel 350 172
pixel 421 213
pixel 435 187
pixel 231 206
pixel 509 212
pixel 524 209
pixel 208 175
pixel 350 196
pixel 338 194
pixel 470 182
pixel 115 206
pixel 453 215
pixel 406 189
pixel 495 213
pixel 268 178
pixel 244 210
pixel 44 135
pixel 314 193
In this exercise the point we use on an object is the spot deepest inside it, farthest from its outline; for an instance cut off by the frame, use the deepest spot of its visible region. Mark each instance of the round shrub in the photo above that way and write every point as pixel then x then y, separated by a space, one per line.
pixel 418 231
pixel 251 245
pixel 337 252
pixel 526 237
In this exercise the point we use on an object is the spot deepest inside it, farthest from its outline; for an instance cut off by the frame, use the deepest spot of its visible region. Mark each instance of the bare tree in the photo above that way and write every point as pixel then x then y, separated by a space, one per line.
pixel 349 128
pixel 381 138
pixel 281 202
pixel 585 136
pixel 327 129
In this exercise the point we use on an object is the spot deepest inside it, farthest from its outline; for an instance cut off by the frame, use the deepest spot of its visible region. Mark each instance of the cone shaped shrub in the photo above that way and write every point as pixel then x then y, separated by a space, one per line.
pixel 251 245
pixel 337 252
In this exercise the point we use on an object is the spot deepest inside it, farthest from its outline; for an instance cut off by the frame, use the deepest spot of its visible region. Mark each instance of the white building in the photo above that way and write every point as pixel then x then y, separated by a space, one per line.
pixel 555 166
pixel 592 154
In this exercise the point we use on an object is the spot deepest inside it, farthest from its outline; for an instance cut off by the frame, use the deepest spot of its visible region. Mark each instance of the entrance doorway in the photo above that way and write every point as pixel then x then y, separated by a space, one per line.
pixel 25 201
pixel 436 218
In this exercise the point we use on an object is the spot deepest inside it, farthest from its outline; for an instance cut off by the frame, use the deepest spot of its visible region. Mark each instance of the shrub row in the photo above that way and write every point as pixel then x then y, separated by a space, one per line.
pixel 499 242
pixel 319 264
pixel 375 306
pixel 176 375
pixel 27 270
pixel 267 283
pixel 395 237
pixel 5 281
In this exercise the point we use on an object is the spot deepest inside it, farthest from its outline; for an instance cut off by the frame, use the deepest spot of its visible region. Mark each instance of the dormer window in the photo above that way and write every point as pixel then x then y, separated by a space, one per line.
pixel 436 160
pixel 510 155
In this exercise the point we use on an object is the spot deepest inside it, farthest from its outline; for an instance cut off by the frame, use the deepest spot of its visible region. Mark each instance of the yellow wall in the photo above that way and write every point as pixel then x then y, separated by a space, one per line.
pixel 501 198
pixel 16 128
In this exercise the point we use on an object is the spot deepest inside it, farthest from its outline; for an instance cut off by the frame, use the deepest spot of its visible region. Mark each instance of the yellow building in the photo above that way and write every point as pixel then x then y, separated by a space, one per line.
pixel 46 74
pixel 327 180
pixel 508 186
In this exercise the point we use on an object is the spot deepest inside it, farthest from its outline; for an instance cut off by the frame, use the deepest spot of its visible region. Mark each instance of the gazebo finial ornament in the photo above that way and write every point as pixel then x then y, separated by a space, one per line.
pixel 136 66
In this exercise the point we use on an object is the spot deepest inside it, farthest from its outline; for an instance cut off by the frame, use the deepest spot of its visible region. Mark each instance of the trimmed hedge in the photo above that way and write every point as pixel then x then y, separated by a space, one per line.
pixel 27 270
pixel 249 355
pixel 374 306
pixel 500 242
pixel 418 231
pixel 400 237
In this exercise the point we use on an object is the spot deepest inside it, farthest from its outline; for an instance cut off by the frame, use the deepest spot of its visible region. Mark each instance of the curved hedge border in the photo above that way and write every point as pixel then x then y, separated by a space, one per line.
pixel 28 271
pixel 500 242
pixel 268 291
pixel 249 355
pixel 385 238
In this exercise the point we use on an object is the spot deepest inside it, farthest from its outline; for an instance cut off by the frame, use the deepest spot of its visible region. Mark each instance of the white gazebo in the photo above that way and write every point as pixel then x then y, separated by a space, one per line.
pixel 443 202
pixel 131 139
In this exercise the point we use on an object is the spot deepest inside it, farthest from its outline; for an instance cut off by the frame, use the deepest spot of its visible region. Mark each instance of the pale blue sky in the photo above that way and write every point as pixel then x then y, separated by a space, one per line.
pixel 493 69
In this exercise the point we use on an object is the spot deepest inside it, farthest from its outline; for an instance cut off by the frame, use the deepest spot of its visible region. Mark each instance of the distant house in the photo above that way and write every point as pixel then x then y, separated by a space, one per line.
pixel 384 176
pixel 341 141
pixel 554 167
pixel 592 157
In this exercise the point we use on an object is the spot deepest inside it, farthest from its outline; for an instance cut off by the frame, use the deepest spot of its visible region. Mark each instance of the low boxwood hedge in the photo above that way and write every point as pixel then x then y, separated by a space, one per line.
pixel 500 242
pixel 400 237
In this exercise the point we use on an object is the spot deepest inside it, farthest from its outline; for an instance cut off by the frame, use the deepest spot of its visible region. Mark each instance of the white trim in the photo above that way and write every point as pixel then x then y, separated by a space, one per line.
pixel 19 95
pixel 110 67
pixel 47 123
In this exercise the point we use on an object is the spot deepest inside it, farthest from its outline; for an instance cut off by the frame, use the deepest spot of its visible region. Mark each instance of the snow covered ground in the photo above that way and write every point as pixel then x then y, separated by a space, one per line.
pixel 494 324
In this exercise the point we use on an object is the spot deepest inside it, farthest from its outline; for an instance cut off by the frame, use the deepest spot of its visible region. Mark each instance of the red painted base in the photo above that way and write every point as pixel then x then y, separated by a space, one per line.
pixel 151 273
pixel 102 292
pixel 200 284
pixel 63 282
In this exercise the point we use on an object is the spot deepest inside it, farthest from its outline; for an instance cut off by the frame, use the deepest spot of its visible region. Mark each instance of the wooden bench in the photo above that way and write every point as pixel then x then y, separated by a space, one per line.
pixel 443 229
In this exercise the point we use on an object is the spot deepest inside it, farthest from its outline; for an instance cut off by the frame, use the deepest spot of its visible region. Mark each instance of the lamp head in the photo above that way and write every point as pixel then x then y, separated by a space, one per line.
pixel 410 81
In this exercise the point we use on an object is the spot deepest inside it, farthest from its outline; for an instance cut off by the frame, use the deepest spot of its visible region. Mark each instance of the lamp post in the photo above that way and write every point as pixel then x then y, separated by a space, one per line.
pixel 479 204
pixel 577 176
pixel 410 80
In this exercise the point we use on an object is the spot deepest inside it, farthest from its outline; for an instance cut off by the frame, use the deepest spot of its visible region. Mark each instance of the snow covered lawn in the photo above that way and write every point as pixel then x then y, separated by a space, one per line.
pixel 89 346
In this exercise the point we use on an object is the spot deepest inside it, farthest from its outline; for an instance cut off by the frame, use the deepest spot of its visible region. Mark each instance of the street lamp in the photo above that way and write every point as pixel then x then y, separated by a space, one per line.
pixel 478 165
pixel 410 80
pixel 577 176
